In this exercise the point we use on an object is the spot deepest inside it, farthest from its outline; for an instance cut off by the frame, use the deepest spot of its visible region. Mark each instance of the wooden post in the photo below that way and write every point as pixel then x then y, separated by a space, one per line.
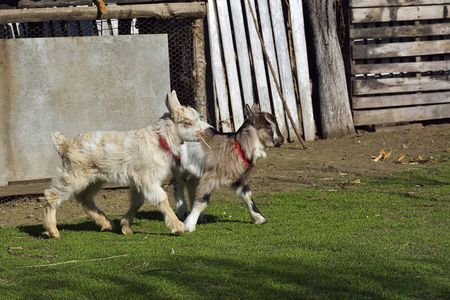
pixel 230 63
pixel 199 72
pixel 301 60
pixel 284 62
pixel 336 117
pixel 242 51
pixel 217 68
pixel 266 30
pixel 258 61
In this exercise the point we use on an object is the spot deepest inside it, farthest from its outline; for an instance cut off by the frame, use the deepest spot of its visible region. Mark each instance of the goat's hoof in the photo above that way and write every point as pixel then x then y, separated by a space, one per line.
pixel 53 234
pixel 261 221
pixel 126 227
pixel 190 228
pixel 182 216
pixel 178 228
pixel 202 219
pixel 108 226
pixel 126 230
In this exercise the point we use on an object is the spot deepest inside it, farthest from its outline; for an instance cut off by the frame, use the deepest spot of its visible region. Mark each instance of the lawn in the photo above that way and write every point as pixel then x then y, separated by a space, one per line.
pixel 384 238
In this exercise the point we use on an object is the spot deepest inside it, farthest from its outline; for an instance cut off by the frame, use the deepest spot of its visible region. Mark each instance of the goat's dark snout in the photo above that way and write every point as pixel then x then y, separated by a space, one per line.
pixel 278 142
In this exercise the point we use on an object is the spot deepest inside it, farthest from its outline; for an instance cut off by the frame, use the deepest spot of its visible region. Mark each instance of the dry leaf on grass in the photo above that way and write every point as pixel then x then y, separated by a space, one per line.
pixel 357 181
pixel 382 155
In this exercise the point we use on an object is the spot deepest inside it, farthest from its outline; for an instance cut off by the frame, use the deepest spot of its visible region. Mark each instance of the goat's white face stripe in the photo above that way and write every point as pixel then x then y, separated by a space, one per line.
pixel 274 129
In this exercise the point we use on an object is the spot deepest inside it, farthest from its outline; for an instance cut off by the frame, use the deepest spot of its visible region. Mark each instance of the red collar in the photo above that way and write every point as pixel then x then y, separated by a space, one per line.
pixel 241 154
pixel 164 144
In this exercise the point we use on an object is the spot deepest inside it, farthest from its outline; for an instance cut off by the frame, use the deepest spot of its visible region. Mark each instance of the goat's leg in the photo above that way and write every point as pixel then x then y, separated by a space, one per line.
pixel 86 199
pixel 59 192
pixel 158 198
pixel 246 194
pixel 192 185
pixel 197 209
pixel 178 189
pixel 136 201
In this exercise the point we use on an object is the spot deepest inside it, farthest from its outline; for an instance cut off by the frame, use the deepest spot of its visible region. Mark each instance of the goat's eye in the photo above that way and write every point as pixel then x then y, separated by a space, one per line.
pixel 187 124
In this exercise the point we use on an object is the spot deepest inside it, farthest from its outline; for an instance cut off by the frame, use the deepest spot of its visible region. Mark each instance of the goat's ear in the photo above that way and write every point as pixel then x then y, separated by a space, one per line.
pixel 255 108
pixel 249 113
pixel 172 102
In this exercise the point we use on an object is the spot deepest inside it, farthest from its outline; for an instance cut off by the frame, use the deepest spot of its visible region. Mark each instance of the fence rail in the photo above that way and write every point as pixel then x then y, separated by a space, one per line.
pixel 400 60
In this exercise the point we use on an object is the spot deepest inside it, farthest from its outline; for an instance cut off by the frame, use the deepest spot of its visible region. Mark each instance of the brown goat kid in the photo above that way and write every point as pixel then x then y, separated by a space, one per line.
pixel 228 163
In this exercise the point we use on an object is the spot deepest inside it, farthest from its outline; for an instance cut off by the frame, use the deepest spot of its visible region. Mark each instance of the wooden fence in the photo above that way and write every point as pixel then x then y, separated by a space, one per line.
pixel 240 68
pixel 400 60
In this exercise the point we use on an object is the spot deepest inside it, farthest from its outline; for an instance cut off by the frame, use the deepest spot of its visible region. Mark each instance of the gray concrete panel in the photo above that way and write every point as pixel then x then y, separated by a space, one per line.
pixel 73 85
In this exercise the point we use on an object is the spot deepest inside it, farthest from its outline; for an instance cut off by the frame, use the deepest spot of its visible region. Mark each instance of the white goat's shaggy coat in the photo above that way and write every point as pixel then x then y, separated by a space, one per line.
pixel 141 158
pixel 227 164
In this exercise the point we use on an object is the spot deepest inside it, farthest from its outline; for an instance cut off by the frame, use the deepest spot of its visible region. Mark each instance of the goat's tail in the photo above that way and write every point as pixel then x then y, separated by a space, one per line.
pixel 58 141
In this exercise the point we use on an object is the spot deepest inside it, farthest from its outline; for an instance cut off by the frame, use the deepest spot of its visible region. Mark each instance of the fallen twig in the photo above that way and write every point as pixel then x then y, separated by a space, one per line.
pixel 75 261
pixel 159 270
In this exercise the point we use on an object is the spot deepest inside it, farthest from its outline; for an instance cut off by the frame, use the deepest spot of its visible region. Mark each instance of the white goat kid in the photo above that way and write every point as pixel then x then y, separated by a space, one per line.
pixel 140 158
pixel 227 164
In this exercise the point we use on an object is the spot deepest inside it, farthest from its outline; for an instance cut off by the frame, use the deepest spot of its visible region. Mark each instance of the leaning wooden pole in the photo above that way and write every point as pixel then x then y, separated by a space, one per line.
pixel 199 72
pixel 297 132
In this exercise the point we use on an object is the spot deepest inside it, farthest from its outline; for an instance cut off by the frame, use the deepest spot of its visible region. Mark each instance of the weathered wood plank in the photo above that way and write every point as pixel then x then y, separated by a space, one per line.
pixel 301 60
pixel 217 67
pixel 32 187
pixel 24 189
pixel 258 60
pixel 423 66
pixel 400 100
pixel 230 63
pixel 400 85
pixel 193 10
pixel 400 49
pixel 400 31
pixel 52 3
pixel 242 51
pixel 284 63
pixel 403 114
pixel 67 3
pixel 378 3
pixel 406 13
pixel 266 31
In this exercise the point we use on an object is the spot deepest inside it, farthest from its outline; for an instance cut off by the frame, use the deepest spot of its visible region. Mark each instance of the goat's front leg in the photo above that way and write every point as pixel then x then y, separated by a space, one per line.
pixel 246 194
pixel 178 189
pixel 197 209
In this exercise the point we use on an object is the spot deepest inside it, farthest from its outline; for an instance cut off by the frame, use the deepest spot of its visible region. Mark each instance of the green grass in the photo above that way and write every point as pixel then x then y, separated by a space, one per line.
pixel 386 238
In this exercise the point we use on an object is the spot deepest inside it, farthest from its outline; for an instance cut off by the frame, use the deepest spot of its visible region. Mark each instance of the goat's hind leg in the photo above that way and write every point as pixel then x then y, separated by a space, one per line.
pixel 192 184
pixel 246 194
pixel 86 199
pixel 136 201
pixel 59 192
pixel 158 198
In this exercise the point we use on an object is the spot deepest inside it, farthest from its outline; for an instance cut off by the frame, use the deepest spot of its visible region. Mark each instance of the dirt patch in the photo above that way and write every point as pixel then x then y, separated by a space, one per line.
pixel 326 164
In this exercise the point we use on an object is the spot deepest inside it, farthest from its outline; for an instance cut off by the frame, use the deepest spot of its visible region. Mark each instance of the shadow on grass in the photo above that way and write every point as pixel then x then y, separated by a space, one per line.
pixel 38 231
pixel 233 278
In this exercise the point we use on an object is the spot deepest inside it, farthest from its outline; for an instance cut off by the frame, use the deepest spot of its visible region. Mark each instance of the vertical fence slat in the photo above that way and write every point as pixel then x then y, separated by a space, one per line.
pixel 258 61
pixel 284 62
pixel 301 59
pixel 266 31
pixel 230 63
pixel 217 67
pixel 242 51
